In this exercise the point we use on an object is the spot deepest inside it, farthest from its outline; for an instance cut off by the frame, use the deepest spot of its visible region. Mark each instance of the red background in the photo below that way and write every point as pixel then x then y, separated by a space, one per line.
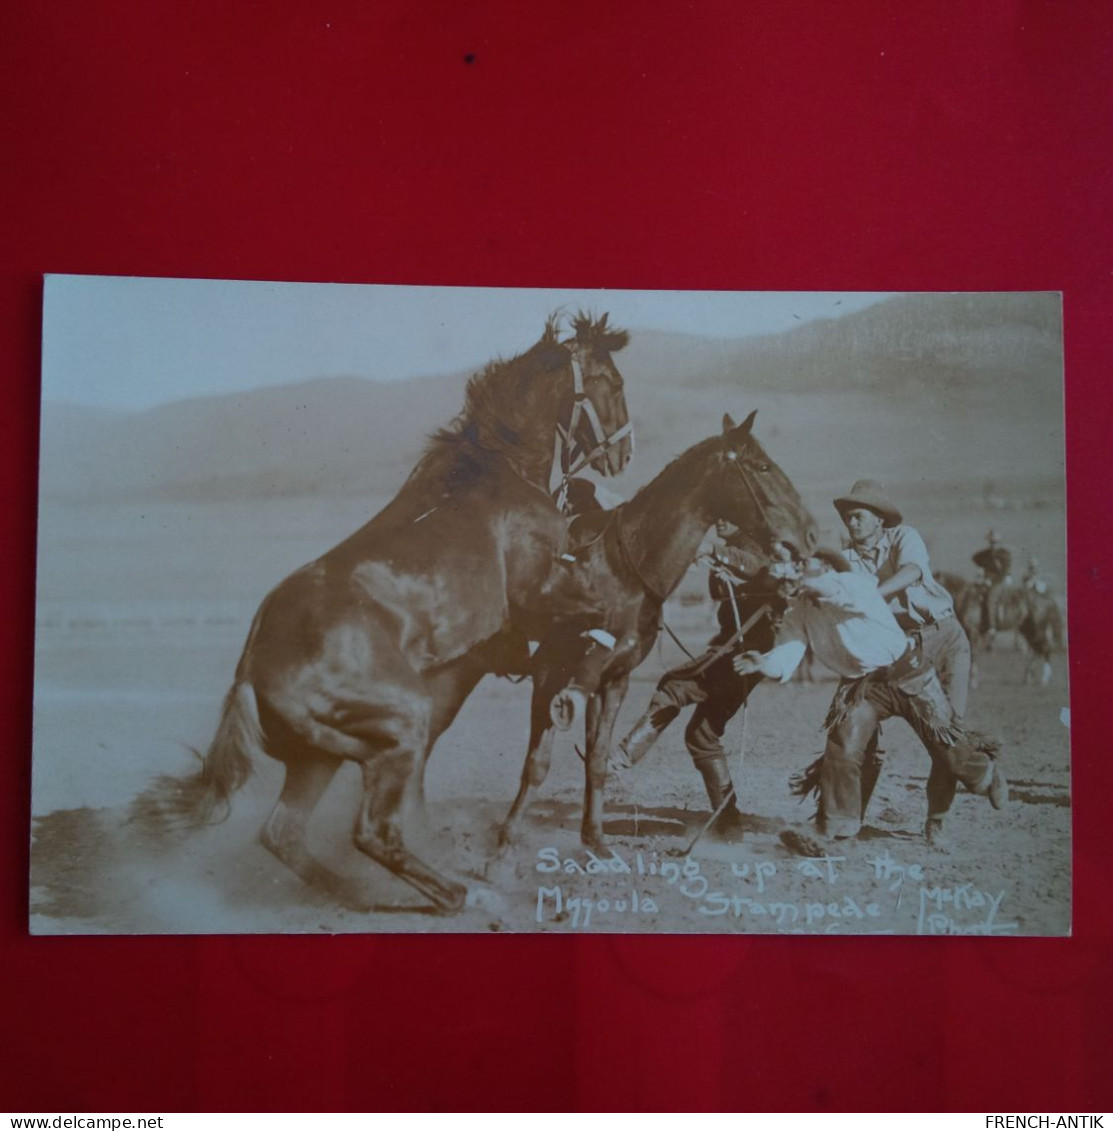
pixel 770 145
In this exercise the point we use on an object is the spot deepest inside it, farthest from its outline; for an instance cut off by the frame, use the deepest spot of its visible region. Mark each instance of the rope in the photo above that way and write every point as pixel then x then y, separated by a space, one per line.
pixel 676 639
pixel 742 737
pixel 728 797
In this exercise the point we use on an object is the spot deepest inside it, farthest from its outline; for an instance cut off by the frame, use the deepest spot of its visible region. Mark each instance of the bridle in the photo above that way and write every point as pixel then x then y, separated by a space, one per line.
pixel 565 443
pixel 627 555
pixel 733 460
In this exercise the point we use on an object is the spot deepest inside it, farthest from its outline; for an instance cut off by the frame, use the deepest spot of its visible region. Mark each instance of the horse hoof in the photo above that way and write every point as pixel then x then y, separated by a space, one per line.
pixel 484 899
pixel 450 900
pixel 935 837
pixel 500 852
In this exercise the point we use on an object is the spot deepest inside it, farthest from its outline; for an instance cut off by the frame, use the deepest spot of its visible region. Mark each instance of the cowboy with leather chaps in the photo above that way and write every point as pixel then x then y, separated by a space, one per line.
pixel 844 618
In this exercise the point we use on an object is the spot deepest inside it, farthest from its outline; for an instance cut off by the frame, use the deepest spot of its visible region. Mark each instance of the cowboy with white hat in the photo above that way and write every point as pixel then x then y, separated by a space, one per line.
pixel 887 548
pixel 844 618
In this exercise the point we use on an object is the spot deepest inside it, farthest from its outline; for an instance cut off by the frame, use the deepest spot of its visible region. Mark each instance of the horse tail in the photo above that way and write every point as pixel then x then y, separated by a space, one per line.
pixel 174 803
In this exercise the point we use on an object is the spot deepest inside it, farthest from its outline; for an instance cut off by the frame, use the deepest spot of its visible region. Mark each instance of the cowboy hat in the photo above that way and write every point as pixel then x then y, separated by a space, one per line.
pixel 870 494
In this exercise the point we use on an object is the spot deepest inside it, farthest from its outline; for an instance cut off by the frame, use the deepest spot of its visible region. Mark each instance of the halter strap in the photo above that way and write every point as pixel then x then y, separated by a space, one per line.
pixel 565 438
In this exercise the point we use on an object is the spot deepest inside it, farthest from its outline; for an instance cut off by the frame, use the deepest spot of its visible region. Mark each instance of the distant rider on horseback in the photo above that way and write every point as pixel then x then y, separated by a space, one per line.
pixel 996 563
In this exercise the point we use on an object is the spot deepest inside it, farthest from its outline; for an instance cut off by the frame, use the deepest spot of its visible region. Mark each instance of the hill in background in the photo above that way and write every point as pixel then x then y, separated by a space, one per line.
pixel 918 391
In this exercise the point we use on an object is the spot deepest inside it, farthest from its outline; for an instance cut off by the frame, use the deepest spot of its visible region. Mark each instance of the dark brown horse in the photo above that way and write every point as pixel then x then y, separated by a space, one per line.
pixel 632 559
pixel 970 608
pixel 368 653
pixel 1029 611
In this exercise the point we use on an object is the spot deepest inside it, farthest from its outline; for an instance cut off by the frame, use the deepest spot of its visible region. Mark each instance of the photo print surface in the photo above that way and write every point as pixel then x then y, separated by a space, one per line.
pixel 370 608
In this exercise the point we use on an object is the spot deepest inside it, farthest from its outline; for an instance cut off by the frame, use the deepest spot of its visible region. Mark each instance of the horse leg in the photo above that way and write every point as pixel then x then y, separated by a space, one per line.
pixel 538 758
pixel 308 774
pixel 1034 649
pixel 387 775
pixel 1041 653
pixel 394 735
pixel 602 712
pixel 450 687
pixel 613 695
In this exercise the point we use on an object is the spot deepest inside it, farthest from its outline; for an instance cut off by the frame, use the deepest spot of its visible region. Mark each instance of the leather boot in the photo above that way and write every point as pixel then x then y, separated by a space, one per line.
pixel 716 779
pixel 871 771
pixel 634 747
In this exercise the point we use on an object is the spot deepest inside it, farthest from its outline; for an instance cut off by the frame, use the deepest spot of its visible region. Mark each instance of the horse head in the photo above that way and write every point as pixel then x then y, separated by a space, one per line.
pixel 599 433
pixel 512 407
pixel 748 489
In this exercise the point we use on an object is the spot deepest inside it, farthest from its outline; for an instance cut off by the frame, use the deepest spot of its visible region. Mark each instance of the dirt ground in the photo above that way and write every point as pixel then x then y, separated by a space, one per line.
pixel 128 679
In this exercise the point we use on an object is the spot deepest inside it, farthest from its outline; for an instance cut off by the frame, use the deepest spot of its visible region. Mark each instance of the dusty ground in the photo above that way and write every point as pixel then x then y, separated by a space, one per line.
pixel 127 678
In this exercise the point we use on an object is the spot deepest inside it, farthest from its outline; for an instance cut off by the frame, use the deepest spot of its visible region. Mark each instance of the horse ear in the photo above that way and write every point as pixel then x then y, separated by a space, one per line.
pixel 728 423
pixel 743 429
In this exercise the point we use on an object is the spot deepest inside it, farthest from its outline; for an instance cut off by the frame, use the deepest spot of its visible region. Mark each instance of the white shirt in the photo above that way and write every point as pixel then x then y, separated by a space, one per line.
pixel 845 621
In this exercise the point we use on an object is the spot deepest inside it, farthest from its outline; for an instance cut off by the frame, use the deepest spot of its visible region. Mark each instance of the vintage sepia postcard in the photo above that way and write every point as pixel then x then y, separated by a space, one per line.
pixel 382 609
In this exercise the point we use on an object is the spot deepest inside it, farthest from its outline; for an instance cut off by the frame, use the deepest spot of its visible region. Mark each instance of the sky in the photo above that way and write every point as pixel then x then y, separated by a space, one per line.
pixel 133 343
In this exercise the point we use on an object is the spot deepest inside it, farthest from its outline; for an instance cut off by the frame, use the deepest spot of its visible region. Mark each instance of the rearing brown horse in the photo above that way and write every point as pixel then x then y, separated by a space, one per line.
pixel 368 653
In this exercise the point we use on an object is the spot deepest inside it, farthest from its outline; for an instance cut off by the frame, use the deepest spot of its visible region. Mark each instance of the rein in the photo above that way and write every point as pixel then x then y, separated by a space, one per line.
pixel 729 645
pixel 631 565
pixel 628 557
pixel 652 591
pixel 761 509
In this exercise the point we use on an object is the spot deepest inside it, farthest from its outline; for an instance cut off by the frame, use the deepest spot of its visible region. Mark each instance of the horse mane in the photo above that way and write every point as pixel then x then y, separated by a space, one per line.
pixel 693 455
pixel 690 455
pixel 490 419
pixel 598 333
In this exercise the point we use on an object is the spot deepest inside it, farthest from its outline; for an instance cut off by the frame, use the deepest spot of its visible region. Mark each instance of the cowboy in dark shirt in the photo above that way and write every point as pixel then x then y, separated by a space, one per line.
pixel 741 583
